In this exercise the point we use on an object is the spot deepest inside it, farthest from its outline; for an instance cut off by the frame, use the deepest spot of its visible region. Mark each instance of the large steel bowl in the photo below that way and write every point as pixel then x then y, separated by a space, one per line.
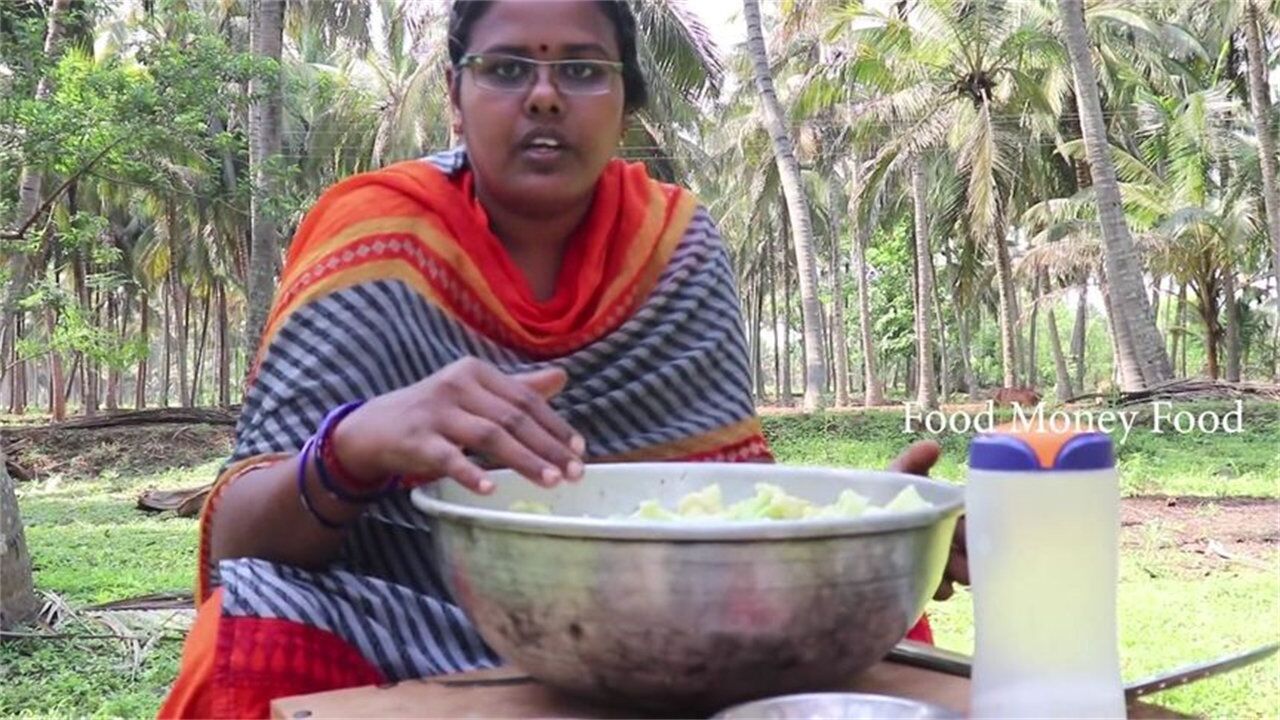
pixel 694 615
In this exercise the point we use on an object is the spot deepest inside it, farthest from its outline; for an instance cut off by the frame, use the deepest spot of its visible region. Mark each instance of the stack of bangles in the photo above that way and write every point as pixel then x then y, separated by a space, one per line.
pixel 319 453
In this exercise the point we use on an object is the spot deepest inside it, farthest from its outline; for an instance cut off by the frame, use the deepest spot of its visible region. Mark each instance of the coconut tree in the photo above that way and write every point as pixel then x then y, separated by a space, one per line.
pixel 1143 361
pixel 797 207
pixel 1256 18
pixel 873 394
pixel 17 599
pixel 940 76
pixel 266 22
pixel 1230 26
pixel 1184 195
pixel 31 183
pixel 926 390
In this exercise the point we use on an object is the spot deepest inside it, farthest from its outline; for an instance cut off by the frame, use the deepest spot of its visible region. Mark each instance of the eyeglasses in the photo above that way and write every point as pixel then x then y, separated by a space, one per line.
pixel 512 74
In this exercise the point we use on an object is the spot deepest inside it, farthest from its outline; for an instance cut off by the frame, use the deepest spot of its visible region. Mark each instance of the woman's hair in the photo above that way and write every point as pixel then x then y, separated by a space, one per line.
pixel 465 13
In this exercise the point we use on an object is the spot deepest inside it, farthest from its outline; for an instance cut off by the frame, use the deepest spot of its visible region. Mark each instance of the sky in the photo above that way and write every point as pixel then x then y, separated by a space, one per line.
pixel 724 19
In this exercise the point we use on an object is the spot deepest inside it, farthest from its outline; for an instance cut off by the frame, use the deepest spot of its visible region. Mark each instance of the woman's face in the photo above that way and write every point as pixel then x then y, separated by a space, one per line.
pixel 539 151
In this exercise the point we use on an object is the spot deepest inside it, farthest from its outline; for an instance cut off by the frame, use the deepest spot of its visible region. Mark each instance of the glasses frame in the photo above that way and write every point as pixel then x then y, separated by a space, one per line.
pixel 472 60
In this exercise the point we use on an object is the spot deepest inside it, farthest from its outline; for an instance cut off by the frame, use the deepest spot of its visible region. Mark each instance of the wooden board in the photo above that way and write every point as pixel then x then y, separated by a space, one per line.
pixel 509 693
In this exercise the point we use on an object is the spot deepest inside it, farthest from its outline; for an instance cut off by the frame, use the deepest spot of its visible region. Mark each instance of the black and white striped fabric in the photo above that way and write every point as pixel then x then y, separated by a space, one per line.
pixel 676 369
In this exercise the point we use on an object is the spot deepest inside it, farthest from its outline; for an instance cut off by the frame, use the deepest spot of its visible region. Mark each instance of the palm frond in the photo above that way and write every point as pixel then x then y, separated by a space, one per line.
pixel 678 47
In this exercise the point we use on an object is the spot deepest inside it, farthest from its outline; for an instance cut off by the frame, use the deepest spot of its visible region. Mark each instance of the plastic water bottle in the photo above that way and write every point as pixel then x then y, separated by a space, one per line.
pixel 1043 522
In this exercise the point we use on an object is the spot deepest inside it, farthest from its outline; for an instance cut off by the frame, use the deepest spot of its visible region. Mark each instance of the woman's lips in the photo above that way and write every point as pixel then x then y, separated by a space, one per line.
pixel 544 146
pixel 544 157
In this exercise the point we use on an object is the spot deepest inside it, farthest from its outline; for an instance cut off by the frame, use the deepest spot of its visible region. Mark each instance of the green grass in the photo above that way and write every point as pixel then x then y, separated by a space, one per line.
pixel 1175 619
pixel 93 546
pixel 1245 464
pixel 85 678
pixel 90 545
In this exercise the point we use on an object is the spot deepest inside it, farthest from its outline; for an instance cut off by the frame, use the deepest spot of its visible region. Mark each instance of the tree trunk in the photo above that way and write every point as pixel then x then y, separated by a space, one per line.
pixel 797 209
pixel 18 602
pixel 1155 303
pixel 116 320
pixel 1207 299
pixel 1117 370
pixel 1260 104
pixel 1141 350
pixel 166 371
pixel 76 366
pixel 1233 323
pixel 1062 384
pixel 57 398
pixel 926 390
pixel 224 350
pixel 828 352
pixel 873 395
pixel 79 277
pixel 9 358
pixel 773 320
pixel 1032 367
pixel 1180 323
pixel 266 30
pixel 757 333
pixel 1008 308
pixel 1211 356
pixel 183 299
pixel 204 336
pixel 966 353
pixel 944 361
pixel 140 387
pixel 838 339
pixel 1078 334
pixel 94 369
pixel 1185 342
pixel 18 376
pixel 30 180
pixel 786 326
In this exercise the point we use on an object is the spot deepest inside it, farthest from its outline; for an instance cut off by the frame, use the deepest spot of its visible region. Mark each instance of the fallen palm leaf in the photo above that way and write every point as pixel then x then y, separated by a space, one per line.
pixel 186 503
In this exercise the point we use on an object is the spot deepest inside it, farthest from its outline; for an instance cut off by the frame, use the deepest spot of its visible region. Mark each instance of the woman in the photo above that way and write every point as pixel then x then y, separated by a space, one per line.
pixel 531 301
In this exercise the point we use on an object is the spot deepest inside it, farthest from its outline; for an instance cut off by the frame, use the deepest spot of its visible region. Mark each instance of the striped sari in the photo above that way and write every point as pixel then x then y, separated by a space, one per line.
pixel 392 276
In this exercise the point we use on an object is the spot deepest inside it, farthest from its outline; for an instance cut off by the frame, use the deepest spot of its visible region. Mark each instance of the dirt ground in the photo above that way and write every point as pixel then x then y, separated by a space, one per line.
pixel 1211 532
pixel 41 452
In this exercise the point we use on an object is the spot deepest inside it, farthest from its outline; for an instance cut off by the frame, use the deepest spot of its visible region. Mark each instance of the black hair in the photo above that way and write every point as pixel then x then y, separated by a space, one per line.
pixel 635 91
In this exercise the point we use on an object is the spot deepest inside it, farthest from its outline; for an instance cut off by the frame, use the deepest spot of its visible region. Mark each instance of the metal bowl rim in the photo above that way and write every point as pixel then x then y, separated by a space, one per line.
pixel 877 698
pixel 425 499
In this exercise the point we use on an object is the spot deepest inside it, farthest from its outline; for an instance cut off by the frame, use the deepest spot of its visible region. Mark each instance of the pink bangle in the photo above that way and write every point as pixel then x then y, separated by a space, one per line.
pixel 333 476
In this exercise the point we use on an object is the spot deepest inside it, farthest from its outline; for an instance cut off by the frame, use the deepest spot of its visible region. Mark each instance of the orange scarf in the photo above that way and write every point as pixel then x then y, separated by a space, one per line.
pixel 414 223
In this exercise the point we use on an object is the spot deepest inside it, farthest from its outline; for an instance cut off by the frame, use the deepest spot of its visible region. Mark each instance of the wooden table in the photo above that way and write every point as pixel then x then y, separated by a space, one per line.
pixel 509 693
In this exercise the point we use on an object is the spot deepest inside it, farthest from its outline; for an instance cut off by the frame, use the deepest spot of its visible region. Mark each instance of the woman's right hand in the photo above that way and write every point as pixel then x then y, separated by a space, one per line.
pixel 423 431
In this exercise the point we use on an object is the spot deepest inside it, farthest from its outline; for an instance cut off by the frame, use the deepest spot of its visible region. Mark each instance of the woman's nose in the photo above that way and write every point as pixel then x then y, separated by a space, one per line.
pixel 544 97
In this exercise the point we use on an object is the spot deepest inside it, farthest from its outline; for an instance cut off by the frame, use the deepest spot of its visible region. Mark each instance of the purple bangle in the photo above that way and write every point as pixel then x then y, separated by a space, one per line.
pixel 327 481
pixel 302 489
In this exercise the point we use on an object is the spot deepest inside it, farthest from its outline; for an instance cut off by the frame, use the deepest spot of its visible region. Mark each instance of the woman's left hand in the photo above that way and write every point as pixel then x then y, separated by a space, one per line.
pixel 918 459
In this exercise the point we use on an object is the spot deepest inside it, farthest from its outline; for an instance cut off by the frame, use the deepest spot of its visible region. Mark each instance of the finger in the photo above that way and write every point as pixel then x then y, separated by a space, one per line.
pixel 945 589
pixel 958 568
pixel 529 392
pixel 522 426
pixel 918 458
pixel 441 458
pixel 490 438
pixel 958 561
pixel 547 382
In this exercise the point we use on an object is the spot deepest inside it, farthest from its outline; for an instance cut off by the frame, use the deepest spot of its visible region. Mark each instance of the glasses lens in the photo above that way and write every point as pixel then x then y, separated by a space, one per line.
pixel 582 77
pixel 503 73
pixel 514 74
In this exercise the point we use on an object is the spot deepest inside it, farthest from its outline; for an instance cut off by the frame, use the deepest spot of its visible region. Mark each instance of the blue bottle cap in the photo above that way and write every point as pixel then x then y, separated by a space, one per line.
pixel 1041 451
